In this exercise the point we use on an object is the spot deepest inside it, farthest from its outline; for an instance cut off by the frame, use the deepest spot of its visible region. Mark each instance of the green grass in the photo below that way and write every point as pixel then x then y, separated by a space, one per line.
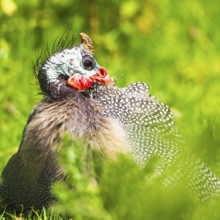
pixel 173 46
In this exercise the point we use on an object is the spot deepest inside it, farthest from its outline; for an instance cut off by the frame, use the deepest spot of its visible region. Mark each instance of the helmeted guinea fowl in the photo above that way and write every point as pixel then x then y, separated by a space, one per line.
pixel 81 99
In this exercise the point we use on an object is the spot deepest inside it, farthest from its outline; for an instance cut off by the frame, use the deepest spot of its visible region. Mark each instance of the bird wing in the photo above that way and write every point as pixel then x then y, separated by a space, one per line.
pixel 149 124
pixel 150 130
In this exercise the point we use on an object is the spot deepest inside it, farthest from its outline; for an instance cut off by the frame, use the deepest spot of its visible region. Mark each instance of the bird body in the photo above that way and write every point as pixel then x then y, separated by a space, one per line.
pixel 31 171
pixel 80 98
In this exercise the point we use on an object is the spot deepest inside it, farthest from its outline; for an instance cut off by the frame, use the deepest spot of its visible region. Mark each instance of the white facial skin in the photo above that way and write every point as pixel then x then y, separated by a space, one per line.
pixel 68 63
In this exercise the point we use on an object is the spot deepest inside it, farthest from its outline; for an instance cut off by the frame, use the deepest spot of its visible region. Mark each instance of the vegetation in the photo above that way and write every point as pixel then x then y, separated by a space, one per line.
pixel 171 45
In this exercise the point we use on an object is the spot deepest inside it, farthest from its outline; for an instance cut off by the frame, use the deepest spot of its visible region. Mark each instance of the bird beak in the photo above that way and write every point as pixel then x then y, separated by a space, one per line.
pixel 82 82
pixel 102 77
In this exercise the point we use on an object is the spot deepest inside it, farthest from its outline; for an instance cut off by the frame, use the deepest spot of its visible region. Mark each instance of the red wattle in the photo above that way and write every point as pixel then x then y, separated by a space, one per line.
pixel 80 82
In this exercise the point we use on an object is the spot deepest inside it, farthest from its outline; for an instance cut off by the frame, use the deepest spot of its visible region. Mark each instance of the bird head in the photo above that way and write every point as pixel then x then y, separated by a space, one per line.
pixel 72 68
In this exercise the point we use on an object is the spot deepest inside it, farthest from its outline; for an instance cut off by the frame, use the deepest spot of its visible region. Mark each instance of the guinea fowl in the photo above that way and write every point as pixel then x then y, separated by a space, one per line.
pixel 81 98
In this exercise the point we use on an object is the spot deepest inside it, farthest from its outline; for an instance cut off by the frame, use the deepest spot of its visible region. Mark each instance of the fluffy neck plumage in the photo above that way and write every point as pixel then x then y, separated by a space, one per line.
pixel 77 115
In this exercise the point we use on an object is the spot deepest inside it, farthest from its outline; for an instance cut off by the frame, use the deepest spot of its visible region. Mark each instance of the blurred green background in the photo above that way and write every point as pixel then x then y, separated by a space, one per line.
pixel 174 46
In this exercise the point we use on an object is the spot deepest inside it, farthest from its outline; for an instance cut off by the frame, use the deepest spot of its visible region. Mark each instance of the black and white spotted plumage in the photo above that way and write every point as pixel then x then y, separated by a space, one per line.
pixel 151 132
pixel 149 124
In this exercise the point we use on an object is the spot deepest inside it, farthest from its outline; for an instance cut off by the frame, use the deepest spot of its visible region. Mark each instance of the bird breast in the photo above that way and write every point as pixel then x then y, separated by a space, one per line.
pixel 82 118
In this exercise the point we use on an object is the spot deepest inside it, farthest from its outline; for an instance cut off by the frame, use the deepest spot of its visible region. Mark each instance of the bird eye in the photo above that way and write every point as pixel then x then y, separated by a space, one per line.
pixel 88 62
